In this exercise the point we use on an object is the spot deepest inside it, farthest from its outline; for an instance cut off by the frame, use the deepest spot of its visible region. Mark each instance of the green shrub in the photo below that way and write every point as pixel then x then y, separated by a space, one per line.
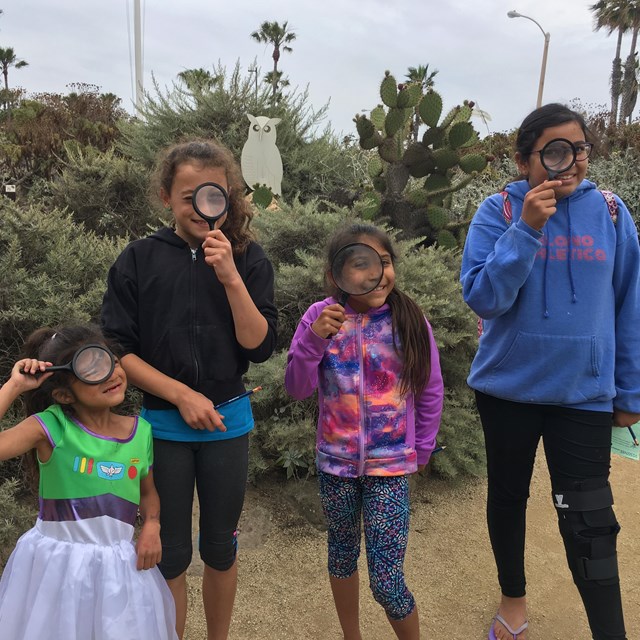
pixel 295 238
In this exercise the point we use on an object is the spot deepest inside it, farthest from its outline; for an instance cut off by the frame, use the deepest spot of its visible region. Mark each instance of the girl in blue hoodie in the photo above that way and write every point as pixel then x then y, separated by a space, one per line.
pixel 551 266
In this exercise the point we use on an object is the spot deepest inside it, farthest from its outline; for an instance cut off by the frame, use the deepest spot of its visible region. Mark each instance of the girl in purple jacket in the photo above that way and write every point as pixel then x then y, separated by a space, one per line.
pixel 375 365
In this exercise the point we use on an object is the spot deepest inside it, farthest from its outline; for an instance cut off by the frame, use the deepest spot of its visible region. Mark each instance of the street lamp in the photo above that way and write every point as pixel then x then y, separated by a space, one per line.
pixel 547 37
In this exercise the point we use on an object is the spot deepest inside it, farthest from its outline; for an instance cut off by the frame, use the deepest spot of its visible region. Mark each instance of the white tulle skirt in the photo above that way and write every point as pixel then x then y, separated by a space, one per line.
pixel 78 581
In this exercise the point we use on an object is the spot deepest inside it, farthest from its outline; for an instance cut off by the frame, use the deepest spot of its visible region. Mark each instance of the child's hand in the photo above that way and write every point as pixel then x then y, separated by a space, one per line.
pixel 28 374
pixel 148 545
pixel 329 321
pixel 540 204
pixel 624 418
pixel 218 254
pixel 198 412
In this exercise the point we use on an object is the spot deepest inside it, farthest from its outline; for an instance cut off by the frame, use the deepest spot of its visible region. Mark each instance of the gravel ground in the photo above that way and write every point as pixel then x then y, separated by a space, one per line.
pixel 284 593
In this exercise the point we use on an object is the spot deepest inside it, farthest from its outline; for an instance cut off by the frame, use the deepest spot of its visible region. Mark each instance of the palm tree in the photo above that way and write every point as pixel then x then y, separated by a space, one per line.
pixel 611 15
pixel 199 79
pixel 279 36
pixel 629 78
pixel 421 75
pixel 8 59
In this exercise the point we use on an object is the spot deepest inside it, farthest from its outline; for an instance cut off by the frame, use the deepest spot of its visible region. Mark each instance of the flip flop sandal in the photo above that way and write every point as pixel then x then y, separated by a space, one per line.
pixel 503 622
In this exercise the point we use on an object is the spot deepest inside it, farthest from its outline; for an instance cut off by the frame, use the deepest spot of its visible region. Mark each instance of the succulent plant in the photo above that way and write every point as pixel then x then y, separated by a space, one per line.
pixel 440 159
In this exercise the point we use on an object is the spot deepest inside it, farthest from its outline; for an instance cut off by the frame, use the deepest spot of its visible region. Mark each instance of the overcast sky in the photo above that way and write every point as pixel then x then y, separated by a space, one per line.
pixel 342 48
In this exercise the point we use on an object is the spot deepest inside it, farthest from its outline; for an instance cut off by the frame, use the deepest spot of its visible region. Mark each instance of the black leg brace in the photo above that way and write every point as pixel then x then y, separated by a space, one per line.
pixel 589 529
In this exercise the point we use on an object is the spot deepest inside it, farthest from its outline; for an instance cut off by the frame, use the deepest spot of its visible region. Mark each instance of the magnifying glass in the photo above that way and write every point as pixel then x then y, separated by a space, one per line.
pixel 211 202
pixel 356 270
pixel 91 364
pixel 558 156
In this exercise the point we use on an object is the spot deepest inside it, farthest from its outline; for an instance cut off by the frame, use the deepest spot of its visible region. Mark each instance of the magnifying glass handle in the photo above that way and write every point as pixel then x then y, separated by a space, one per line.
pixel 344 296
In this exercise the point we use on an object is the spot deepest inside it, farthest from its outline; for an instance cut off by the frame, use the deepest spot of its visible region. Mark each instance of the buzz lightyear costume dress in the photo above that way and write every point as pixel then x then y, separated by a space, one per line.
pixel 73 575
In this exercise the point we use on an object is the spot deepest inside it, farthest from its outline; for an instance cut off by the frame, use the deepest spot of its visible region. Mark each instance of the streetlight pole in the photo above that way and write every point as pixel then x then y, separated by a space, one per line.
pixel 254 69
pixel 138 56
pixel 547 37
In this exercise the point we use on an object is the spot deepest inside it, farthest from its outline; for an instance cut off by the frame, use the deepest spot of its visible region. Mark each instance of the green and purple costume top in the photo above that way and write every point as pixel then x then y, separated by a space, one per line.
pixel 91 477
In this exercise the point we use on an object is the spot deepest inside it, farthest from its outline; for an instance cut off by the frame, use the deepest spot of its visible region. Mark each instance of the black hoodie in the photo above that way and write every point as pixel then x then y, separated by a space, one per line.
pixel 165 304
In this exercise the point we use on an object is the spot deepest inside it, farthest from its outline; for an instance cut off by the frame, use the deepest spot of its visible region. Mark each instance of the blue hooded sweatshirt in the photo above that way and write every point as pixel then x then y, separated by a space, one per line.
pixel 560 307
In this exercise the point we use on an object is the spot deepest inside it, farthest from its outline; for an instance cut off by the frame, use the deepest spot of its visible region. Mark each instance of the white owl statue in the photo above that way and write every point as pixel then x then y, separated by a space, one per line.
pixel 260 160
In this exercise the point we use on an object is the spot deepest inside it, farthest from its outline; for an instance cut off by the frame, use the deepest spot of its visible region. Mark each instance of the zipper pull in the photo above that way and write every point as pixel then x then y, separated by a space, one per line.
pixel 193 254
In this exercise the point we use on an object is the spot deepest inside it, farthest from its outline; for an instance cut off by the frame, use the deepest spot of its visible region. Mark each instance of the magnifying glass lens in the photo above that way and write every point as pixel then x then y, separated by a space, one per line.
pixel 93 364
pixel 357 269
pixel 558 155
pixel 210 201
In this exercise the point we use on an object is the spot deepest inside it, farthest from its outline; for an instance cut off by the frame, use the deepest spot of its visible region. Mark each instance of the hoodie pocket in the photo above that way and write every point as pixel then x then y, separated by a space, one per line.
pixel 550 369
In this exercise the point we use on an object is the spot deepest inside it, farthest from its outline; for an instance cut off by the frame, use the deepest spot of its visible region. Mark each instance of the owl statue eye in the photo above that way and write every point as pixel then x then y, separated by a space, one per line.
pixel 256 127
pixel 267 128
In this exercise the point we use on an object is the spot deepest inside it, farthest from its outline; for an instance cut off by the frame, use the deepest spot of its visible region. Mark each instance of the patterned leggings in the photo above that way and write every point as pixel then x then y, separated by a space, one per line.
pixel 382 502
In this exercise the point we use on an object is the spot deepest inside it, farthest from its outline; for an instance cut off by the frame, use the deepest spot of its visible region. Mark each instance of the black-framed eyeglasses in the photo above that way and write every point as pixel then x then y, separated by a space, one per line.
pixel 557 150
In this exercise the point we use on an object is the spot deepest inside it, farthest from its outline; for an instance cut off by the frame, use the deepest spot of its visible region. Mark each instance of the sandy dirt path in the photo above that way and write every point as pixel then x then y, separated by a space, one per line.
pixel 284 593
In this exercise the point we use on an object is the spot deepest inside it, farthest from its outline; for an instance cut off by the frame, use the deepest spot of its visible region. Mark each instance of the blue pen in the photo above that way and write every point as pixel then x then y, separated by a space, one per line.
pixel 633 435
pixel 230 400
pixel 438 449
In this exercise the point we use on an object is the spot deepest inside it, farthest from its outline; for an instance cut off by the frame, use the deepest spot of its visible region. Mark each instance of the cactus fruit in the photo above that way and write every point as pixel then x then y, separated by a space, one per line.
pixel 430 108
pixel 459 134
pixel 389 91
pixel 473 162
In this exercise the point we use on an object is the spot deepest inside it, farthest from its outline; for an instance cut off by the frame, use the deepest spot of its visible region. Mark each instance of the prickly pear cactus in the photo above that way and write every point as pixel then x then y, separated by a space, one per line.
pixel 416 180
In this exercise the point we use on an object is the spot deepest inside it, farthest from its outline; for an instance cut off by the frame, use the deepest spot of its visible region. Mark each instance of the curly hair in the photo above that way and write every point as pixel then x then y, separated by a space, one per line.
pixel 211 154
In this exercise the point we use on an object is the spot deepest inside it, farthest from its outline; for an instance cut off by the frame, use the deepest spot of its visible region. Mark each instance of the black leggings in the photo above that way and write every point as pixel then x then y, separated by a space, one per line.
pixel 577 446
pixel 219 471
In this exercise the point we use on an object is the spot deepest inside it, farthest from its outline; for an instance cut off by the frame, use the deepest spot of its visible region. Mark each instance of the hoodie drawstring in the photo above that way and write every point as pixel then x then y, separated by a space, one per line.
pixel 573 286
pixel 574 297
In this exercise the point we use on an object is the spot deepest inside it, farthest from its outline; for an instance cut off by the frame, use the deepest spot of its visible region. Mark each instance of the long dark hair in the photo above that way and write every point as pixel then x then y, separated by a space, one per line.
pixel 210 154
pixel 58 346
pixel 407 319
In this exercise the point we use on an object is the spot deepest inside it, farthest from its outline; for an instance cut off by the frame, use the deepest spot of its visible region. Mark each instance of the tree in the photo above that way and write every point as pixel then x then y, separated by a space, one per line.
pixel 420 75
pixel 630 78
pixel 8 59
pixel 619 16
pixel 279 36
pixel 199 79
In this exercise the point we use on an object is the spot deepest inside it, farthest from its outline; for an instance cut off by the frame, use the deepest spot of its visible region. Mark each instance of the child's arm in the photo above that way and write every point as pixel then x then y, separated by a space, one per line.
pixel 250 325
pixel 148 546
pixel 428 408
pixel 306 352
pixel 29 433
pixel 195 408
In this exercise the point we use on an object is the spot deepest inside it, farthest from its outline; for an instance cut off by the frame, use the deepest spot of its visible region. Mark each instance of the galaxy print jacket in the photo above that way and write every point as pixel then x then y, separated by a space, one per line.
pixel 365 426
